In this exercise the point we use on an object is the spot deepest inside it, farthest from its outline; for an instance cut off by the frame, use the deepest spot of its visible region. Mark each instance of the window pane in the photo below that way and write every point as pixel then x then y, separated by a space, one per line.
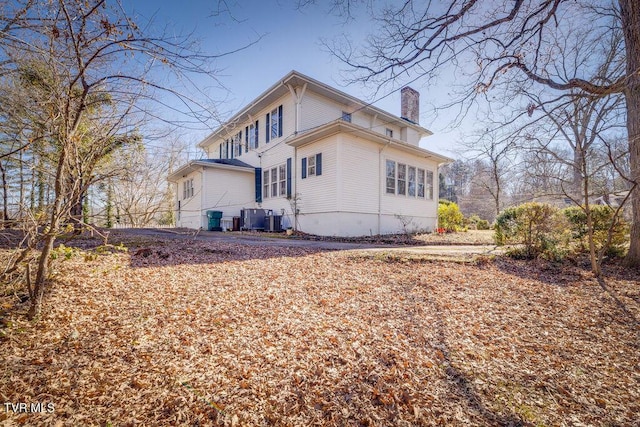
pixel 311 166
pixel 391 177
pixel 402 179
pixel 412 181
pixel 265 183
pixel 274 123
pixel 420 182
pixel 252 137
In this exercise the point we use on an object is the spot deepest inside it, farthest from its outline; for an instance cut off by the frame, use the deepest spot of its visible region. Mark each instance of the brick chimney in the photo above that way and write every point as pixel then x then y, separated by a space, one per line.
pixel 410 104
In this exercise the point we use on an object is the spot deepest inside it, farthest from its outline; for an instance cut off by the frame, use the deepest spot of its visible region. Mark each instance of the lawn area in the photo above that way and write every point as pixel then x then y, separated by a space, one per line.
pixel 210 333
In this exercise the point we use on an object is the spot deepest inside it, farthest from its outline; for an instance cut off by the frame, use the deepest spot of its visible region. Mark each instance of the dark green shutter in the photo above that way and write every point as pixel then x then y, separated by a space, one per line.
pixel 289 194
pixel 246 139
pixel 259 185
pixel 268 133
pixel 280 120
pixel 220 156
pixel 319 164
pixel 304 167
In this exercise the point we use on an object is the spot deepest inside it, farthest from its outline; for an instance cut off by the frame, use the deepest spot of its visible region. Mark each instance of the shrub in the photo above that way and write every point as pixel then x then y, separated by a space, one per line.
pixel 449 216
pixel 477 223
pixel 602 217
pixel 537 226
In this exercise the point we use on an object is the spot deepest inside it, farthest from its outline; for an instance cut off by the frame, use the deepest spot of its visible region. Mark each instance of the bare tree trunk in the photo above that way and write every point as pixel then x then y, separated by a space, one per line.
pixel 630 14
pixel 21 207
pixel 56 213
pixel 5 195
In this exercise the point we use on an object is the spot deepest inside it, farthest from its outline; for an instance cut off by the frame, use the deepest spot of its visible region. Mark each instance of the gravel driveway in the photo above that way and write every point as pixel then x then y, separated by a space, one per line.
pixel 278 240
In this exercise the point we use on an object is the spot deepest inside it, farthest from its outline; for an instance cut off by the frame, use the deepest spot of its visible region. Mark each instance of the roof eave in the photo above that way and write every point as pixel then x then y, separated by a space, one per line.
pixel 195 164
pixel 338 126
pixel 295 75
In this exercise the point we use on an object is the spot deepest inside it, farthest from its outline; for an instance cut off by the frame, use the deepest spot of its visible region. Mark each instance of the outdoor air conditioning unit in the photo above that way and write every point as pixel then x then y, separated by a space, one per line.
pixel 252 219
pixel 273 223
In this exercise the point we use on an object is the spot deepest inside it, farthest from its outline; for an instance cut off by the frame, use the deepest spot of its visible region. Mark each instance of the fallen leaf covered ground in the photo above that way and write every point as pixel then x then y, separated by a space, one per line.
pixel 203 333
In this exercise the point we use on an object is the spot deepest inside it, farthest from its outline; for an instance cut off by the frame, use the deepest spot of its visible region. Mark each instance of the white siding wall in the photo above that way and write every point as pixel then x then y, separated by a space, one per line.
pixel 319 194
pixel 358 185
pixel 316 110
pixel 227 191
pixel 190 208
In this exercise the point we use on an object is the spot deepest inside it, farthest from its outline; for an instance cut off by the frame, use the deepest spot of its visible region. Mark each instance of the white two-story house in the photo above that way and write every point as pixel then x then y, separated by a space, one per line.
pixel 329 163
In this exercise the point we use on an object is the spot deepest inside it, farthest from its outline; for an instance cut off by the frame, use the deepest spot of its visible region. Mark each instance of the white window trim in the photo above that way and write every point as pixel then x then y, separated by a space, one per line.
pixel 427 183
pixel 267 184
pixel 311 168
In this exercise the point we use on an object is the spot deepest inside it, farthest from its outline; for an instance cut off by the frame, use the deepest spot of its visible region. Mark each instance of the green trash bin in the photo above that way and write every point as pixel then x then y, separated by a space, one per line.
pixel 214 220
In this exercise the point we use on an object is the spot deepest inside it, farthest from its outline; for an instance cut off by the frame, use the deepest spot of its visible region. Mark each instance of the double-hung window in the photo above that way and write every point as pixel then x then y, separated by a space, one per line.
pixel 391 177
pixel 411 187
pixel 253 136
pixel 430 185
pixel 282 179
pixel 420 182
pixel 312 165
pixel 265 183
pixel 237 145
pixel 407 180
pixel 187 189
pixel 274 181
pixel 402 179
pixel 274 124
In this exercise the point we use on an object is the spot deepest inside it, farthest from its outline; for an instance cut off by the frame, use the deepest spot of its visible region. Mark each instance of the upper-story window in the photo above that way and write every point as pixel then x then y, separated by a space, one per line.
pixel 346 116
pixel 237 145
pixel 274 124
pixel 389 132
pixel 251 137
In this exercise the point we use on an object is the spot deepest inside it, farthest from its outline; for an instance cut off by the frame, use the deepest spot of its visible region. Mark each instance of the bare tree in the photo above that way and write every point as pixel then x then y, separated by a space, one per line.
pixel 84 75
pixel 521 39
pixel 494 155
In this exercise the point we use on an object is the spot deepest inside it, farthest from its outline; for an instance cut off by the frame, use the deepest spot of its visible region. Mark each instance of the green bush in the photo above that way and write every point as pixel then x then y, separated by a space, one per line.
pixel 601 217
pixel 536 226
pixel 477 223
pixel 449 216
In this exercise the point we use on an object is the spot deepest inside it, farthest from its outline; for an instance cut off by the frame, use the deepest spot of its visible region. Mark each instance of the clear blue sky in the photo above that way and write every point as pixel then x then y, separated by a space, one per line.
pixel 289 39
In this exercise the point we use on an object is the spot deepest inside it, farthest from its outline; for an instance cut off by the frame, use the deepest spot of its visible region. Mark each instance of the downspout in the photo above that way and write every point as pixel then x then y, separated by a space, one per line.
pixel 294 188
pixel 381 185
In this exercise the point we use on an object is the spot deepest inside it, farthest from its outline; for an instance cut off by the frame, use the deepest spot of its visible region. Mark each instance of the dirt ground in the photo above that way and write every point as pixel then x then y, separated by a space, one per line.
pixel 211 332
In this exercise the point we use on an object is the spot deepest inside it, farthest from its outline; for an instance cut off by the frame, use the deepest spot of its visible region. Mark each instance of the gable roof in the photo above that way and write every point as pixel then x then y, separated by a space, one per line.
pixel 229 164
pixel 296 79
